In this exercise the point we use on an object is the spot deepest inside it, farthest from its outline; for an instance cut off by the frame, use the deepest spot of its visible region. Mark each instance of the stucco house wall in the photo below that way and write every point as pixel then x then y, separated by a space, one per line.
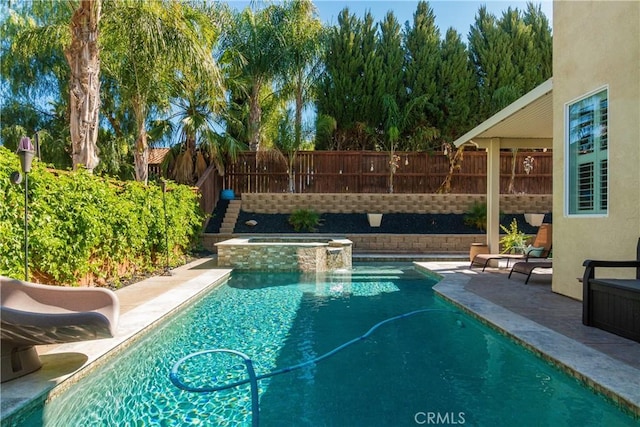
pixel 597 44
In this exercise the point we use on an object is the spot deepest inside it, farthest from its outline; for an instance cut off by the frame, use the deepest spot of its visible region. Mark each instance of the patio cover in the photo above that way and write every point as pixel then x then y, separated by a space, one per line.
pixel 526 123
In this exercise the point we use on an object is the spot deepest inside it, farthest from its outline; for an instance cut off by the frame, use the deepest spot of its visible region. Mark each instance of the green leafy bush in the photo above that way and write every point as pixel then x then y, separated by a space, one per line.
pixel 476 216
pixel 82 225
pixel 304 219
pixel 514 240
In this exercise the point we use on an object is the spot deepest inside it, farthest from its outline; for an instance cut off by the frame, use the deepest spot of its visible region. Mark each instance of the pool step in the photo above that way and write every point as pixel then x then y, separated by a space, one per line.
pixel 231 216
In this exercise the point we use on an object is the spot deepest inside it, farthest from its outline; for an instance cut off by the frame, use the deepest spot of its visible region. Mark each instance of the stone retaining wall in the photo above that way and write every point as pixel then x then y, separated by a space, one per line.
pixel 414 243
pixel 389 203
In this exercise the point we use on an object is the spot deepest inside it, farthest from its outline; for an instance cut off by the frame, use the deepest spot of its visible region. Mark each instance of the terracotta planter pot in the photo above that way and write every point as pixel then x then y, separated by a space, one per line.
pixel 478 248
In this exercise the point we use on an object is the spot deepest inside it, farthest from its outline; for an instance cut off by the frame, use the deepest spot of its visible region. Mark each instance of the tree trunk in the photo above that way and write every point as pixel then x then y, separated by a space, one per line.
pixel 84 86
pixel 254 118
pixel 512 179
pixel 455 163
pixel 141 154
pixel 299 105
pixel 290 164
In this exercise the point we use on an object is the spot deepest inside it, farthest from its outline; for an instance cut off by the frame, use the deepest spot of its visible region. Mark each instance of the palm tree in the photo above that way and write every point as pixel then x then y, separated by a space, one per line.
pixel 148 44
pixel 286 146
pixel 37 82
pixel 197 120
pixel 143 44
pixel 396 123
pixel 302 37
pixel 84 98
pixel 253 48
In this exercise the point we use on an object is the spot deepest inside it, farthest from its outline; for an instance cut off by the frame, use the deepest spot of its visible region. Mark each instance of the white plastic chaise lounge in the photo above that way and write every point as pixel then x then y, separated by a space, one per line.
pixel 33 314
pixel 539 249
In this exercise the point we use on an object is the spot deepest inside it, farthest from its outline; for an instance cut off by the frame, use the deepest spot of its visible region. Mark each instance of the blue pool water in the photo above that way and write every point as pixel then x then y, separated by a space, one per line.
pixel 434 366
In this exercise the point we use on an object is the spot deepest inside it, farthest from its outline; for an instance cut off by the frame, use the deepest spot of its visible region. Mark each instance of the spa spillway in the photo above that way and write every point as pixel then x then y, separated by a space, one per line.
pixel 306 254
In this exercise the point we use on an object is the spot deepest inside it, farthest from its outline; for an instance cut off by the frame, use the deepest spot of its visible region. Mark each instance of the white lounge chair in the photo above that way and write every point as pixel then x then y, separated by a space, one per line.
pixel 33 314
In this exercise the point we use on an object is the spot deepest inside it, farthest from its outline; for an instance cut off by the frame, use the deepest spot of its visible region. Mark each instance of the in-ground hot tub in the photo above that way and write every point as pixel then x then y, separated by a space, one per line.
pixel 285 253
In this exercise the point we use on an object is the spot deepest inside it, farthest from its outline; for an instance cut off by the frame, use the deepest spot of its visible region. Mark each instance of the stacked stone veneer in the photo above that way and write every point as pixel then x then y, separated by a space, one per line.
pixel 392 243
pixel 391 203
pixel 285 254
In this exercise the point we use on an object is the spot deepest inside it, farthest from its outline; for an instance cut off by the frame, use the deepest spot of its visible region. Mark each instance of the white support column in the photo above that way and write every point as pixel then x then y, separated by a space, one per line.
pixel 493 195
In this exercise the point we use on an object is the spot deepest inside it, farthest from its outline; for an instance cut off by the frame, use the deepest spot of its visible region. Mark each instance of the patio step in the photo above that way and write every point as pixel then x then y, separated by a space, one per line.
pixel 231 216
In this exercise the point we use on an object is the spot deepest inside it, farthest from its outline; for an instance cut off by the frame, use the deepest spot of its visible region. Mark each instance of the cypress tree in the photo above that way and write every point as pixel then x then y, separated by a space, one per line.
pixel 516 74
pixel 510 56
pixel 456 86
pixel 422 55
pixel 370 109
pixel 542 41
pixel 342 85
pixel 389 78
pixel 440 87
pixel 491 60
pixel 348 88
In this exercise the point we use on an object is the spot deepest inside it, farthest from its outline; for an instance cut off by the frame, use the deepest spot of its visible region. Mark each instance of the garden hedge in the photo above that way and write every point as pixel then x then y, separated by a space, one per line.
pixel 89 229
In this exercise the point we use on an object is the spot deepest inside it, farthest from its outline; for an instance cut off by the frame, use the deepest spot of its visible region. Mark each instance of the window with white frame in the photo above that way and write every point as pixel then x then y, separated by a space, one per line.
pixel 587 154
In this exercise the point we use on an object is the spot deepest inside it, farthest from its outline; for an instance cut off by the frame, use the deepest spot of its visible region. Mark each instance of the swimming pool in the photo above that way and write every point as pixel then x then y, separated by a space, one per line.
pixel 435 365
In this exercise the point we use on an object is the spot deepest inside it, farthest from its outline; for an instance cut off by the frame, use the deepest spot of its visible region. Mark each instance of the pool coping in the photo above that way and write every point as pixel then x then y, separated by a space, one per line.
pixel 595 369
pixel 65 364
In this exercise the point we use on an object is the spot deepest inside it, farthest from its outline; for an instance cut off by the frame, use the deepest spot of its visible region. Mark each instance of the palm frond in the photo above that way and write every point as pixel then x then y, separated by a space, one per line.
pixel 271 156
pixel 201 165
pixel 183 172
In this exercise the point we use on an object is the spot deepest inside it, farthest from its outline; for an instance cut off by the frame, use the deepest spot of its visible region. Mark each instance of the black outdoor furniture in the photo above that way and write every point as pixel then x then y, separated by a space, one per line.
pixel 612 304
pixel 524 267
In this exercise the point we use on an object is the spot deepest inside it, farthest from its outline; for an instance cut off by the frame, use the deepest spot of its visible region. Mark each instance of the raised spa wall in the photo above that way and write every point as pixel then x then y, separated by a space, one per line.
pixel 285 254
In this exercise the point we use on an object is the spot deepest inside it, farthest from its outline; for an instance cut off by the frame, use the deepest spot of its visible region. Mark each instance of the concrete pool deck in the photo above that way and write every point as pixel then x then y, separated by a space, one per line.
pixel 547 323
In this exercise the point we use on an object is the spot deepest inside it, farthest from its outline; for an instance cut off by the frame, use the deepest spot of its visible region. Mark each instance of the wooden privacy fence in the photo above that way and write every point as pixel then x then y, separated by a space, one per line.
pixel 209 186
pixel 368 172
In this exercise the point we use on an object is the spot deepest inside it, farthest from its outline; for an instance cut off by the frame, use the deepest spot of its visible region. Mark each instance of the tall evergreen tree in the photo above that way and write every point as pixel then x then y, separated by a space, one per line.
pixel 422 54
pixel 490 57
pixel 342 84
pixel 456 87
pixel 369 110
pixel 510 56
pixel 520 75
pixel 542 41
pixel 389 78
